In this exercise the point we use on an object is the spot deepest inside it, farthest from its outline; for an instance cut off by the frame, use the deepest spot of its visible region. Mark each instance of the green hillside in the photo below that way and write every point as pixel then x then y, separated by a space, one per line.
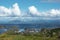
pixel 42 35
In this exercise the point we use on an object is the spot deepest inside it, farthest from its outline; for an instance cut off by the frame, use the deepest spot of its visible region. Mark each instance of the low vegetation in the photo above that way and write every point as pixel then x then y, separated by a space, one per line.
pixel 31 34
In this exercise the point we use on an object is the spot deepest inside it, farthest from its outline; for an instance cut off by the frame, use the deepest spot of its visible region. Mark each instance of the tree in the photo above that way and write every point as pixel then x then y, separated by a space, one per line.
pixel 13 30
pixel 46 32
pixel 1 27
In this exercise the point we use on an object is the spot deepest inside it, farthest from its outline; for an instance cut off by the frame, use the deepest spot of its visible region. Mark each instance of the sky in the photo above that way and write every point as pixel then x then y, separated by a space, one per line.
pixel 29 9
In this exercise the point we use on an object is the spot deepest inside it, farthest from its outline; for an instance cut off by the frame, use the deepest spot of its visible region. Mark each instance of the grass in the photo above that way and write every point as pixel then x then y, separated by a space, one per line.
pixel 22 37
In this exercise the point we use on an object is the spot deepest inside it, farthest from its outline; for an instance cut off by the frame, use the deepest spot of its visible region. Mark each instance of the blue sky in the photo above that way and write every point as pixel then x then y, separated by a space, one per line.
pixel 15 9
pixel 24 4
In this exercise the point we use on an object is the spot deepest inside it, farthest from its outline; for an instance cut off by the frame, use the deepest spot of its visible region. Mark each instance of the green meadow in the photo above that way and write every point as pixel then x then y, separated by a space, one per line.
pixel 31 34
pixel 22 37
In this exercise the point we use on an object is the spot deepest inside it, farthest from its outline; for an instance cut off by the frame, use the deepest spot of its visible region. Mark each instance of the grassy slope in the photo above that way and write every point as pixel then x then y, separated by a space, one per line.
pixel 21 37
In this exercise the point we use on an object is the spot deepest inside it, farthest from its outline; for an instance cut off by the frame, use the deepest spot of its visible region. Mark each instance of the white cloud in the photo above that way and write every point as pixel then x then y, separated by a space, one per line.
pixel 16 10
pixel 33 10
pixel 4 11
pixel 49 13
pixel 12 11
pixel 55 12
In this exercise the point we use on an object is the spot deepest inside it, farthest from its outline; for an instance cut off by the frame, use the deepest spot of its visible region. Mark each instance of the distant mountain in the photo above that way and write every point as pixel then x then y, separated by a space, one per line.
pixel 15 22
pixel 34 22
